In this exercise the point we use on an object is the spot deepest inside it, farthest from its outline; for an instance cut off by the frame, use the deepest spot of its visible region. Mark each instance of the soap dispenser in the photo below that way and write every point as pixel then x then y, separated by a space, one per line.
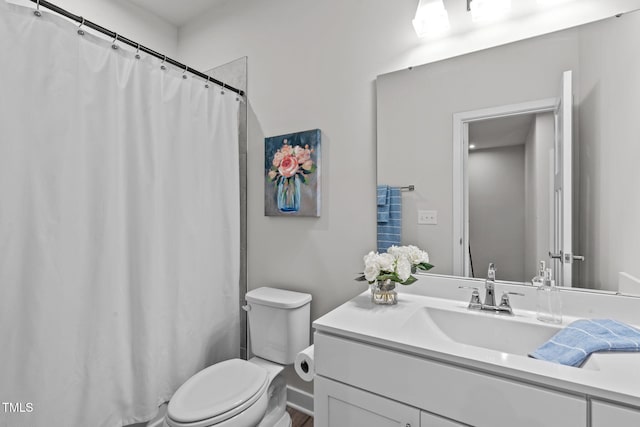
pixel 538 280
pixel 549 302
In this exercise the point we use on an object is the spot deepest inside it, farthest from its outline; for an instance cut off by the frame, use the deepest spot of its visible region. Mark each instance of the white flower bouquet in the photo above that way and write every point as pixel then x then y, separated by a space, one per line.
pixel 396 265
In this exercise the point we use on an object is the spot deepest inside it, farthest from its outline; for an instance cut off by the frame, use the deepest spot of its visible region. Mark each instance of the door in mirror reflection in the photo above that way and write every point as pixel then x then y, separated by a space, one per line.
pixel 562 253
pixel 510 184
pixel 517 187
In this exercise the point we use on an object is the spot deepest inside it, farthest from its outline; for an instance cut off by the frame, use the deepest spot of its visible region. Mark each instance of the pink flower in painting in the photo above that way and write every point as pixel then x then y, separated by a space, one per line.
pixel 290 160
pixel 286 149
pixel 288 166
pixel 277 158
pixel 302 154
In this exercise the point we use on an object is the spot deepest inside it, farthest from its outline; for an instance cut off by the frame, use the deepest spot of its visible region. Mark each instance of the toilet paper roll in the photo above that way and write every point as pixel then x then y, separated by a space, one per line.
pixel 305 364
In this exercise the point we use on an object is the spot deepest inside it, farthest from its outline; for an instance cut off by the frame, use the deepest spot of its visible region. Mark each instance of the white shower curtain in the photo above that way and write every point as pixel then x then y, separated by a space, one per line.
pixel 119 227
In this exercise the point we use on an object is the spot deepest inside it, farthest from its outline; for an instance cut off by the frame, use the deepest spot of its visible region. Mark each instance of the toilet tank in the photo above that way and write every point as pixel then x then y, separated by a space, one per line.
pixel 279 323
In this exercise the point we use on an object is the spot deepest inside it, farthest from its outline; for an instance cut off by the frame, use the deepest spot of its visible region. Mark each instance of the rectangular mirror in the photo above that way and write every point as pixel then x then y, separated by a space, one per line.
pixel 424 133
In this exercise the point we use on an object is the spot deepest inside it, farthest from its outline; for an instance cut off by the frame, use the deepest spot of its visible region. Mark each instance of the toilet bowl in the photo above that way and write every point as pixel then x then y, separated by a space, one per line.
pixel 241 393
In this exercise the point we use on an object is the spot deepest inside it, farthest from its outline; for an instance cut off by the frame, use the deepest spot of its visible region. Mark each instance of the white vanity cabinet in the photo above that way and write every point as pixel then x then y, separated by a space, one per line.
pixel 605 414
pixel 429 361
pixel 359 384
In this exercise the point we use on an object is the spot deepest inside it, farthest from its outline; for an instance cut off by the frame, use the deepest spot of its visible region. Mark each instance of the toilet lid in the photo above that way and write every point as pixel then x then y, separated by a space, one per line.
pixel 232 385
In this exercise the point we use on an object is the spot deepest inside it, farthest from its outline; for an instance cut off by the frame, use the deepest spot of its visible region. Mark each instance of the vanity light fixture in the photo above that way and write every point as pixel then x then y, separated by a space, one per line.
pixel 488 10
pixel 431 18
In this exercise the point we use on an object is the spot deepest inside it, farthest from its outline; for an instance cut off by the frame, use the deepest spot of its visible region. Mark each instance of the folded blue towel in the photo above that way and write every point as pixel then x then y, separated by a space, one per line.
pixel 390 231
pixel 382 192
pixel 573 344
pixel 383 203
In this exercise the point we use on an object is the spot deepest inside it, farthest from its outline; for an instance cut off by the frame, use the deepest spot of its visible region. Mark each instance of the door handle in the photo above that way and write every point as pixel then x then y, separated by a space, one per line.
pixel 568 258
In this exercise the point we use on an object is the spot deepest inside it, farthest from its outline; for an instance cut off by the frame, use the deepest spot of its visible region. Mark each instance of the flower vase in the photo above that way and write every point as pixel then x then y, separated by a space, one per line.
pixel 383 292
pixel 288 196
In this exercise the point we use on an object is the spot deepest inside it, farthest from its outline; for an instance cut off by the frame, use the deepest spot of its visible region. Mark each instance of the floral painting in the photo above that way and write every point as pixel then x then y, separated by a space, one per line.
pixel 292 174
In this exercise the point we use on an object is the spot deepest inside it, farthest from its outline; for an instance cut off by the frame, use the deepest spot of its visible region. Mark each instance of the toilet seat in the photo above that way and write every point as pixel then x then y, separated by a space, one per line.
pixel 218 393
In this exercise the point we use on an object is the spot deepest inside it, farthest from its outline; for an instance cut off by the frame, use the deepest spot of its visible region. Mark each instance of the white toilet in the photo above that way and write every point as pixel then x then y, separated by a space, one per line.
pixel 240 393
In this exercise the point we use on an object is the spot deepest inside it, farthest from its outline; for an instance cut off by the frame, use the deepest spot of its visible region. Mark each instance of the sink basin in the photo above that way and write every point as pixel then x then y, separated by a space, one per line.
pixel 509 334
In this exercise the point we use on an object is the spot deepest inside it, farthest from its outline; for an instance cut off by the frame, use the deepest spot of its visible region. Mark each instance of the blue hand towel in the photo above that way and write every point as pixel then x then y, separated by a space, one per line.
pixel 383 194
pixel 390 232
pixel 383 204
pixel 573 344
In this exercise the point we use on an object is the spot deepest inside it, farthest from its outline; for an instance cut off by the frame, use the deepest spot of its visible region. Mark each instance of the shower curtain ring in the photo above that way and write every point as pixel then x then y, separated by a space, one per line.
pixel 37 11
pixel 138 52
pixel 162 67
pixel 222 90
pixel 206 85
pixel 184 73
pixel 80 30
pixel 113 43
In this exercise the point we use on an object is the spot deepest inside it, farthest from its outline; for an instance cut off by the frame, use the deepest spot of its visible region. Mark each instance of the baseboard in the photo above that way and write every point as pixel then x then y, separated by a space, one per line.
pixel 300 400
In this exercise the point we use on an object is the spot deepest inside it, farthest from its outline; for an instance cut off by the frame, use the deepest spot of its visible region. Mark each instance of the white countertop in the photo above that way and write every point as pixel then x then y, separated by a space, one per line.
pixel 618 377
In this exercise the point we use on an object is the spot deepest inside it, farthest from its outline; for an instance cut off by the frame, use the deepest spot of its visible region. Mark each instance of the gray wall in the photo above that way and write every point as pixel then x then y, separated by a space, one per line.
pixel 125 18
pixel 538 192
pixel 497 210
pixel 609 224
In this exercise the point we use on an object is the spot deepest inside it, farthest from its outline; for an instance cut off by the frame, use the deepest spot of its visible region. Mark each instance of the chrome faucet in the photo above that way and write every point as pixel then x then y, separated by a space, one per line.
pixel 490 286
pixel 490 298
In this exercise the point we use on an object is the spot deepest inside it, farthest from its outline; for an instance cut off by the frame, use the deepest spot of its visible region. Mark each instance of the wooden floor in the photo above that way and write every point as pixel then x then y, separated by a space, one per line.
pixel 298 419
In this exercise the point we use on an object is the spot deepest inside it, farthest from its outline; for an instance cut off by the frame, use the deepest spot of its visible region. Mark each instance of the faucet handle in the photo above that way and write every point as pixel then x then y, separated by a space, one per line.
pixel 504 301
pixel 520 294
pixel 474 303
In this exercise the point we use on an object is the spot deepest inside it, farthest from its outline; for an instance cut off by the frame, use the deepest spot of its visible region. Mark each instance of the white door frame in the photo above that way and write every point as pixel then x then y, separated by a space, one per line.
pixel 460 180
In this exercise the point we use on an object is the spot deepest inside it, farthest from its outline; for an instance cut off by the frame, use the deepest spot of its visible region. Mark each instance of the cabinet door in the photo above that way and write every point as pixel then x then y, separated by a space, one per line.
pixel 339 405
pixel 607 415
pixel 427 419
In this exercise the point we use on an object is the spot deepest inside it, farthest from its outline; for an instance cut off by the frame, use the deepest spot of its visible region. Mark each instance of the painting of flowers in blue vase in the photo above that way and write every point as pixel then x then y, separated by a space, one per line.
pixel 292 174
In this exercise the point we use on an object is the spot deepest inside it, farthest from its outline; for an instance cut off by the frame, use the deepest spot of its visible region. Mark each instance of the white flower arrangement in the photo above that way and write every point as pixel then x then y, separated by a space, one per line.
pixel 397 265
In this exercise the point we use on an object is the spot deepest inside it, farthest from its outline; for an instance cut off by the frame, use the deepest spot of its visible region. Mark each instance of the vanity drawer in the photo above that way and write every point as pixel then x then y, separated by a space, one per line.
pixel 456 393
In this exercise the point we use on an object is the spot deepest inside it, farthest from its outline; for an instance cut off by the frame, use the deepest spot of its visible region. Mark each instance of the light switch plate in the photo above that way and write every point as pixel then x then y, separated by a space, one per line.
pixel 428 217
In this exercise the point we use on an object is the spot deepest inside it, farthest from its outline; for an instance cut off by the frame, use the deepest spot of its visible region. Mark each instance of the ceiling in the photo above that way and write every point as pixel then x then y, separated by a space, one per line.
pixel 176 12
pixel 500 132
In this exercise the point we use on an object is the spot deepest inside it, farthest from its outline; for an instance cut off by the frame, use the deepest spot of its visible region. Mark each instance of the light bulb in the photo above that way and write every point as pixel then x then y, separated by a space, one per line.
pixel 489 10
pixel 431 18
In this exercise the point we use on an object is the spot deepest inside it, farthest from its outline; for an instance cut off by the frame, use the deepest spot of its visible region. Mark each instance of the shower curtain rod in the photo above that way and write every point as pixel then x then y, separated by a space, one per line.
pixel 117 37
